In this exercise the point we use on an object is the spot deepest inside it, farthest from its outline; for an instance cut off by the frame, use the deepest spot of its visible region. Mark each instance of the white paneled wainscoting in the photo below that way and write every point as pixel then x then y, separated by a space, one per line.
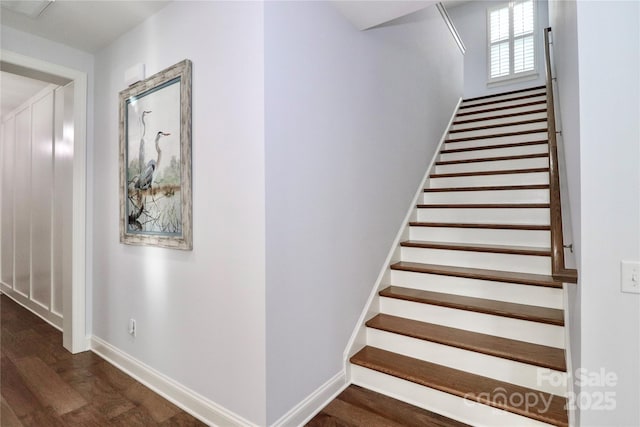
pixel 36 201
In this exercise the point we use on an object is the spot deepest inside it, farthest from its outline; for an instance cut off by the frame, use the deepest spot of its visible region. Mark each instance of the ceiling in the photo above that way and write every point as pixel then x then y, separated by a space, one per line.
pixel 85 25
pixel 15 90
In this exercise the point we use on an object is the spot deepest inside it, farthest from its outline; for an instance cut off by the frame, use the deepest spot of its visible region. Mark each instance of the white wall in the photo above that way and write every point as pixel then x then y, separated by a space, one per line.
pixel 200 314
pixel 603 153
pixel 563 22
pixel 610 198
pixel 471 21
pixel 352 121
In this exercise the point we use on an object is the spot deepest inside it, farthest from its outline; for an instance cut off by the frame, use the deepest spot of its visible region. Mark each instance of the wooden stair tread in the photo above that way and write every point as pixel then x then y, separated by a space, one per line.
pixel 499 249
pixel 358 406
pixel 551 316
pixel 498 101
pixel 496 135
pixel 478 225
pixel 491 172
pixel 505 107
pixel 511 92
pixel 519 351
pixel 479 273
pixel 489 188
pixel 492 159
pixel 500 116
pixel 498 146
pixel 483 206
pixel 463 384
pixel 499 125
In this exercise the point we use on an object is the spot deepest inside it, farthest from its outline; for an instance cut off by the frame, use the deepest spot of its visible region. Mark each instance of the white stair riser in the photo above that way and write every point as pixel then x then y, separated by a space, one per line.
pixel 496 152
pixel 458 143
pixel 488 114
pixel 446 404
pixel 499 291
pixel 494 165
pixel 507 103
pixel 471 259
pixel 498 130
pixel 525 178
pixel 516 329
pixel 535 216
pixel 490 122
pixel 489 196
pixel 518 373
pixel 537 238
pixel 506 97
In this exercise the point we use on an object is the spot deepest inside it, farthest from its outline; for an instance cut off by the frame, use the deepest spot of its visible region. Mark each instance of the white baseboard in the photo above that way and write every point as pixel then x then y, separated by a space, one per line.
pixel 300 414
pixel 200 407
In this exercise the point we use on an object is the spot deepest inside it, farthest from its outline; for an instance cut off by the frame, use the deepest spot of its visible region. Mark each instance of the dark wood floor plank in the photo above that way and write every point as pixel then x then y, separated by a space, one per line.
pixel 14 390
pixel 182 419
pixel 520 351
pixel 47 385
pixel 360 407
pixel 8 418
pixel 159 408
pixel 401 412
pixel 86 416
pixel 46 416
pixel 44 385
pixel 109 401
pixel 357 416
pixel 464 384
pixel 531 313
pixel 325 420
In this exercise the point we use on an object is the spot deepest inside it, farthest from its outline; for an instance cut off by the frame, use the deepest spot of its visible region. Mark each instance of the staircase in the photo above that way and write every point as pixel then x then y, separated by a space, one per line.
pixel 471 325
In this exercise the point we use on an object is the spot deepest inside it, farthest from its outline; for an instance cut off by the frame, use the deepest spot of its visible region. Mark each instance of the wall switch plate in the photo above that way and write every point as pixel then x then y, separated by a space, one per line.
pixel 630 276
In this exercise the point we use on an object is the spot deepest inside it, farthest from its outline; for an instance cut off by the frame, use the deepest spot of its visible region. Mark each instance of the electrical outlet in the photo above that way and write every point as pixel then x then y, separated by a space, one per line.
pixel 132 327
pixel 630 277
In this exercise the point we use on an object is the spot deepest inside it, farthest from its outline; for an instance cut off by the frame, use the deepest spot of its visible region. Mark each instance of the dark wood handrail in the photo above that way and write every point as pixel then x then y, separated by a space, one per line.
pixel 558 268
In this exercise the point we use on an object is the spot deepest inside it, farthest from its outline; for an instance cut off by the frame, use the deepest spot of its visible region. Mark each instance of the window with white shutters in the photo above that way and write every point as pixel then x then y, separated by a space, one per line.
pixel 511 39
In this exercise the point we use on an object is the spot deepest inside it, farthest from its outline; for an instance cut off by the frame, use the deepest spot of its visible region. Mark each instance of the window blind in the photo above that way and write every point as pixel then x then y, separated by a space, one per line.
pixel 511 39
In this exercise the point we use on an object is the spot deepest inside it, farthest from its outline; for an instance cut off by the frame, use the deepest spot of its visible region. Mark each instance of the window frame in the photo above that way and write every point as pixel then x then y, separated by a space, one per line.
pixel 512 77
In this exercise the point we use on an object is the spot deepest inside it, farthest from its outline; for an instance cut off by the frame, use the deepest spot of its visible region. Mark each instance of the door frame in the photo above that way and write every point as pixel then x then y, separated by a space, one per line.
pixel 74 331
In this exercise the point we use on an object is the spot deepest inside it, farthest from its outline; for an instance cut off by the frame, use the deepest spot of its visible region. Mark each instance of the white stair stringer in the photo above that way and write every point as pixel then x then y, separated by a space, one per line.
pixel 480 230
pixel 449 405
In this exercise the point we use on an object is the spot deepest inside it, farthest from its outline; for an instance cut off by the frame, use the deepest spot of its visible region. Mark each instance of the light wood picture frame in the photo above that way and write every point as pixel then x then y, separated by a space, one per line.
pixel 155 160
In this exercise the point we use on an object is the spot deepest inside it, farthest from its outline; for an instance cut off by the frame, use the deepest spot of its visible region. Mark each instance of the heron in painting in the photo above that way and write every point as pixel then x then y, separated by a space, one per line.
pixel 144 131
pixel 146 176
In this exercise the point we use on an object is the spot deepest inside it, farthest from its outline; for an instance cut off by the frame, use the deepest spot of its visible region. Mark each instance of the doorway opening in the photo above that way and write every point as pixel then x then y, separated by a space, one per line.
pixel 47 275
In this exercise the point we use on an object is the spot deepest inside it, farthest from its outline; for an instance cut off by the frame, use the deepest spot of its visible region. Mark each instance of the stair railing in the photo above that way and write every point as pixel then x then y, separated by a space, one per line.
pixel 558 267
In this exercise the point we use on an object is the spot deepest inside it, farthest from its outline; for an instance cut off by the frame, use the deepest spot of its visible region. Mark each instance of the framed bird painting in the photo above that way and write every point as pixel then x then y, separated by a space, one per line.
pixel 155 160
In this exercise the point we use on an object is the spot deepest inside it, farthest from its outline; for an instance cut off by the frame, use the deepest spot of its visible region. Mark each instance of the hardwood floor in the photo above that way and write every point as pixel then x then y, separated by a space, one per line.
pixel 359 407
pixel 42 384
